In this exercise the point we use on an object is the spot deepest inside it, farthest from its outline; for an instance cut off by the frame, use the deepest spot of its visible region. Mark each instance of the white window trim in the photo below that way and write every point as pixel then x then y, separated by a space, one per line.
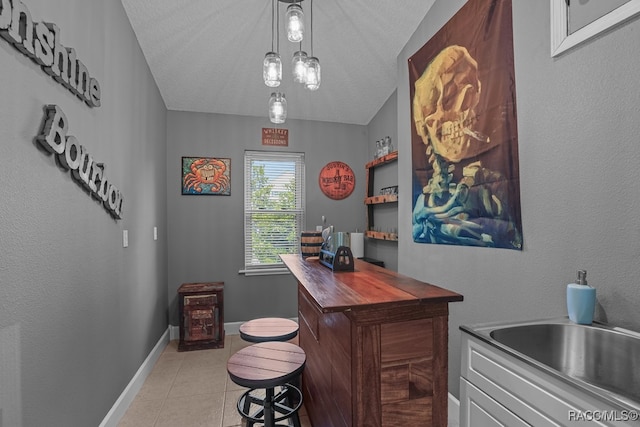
pixel 273 269
pixel 562 41
pixel 265 271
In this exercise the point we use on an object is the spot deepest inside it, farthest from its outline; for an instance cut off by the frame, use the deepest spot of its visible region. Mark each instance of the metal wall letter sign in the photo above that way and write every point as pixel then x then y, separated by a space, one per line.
pixel 74 157
pixel 40 42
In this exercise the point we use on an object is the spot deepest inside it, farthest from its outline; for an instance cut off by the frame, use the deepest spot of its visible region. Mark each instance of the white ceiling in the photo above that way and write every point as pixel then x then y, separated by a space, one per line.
pixel 206 55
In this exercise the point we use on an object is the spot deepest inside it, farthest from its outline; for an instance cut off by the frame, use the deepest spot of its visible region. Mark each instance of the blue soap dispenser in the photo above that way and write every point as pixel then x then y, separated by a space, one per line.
pixel 581 300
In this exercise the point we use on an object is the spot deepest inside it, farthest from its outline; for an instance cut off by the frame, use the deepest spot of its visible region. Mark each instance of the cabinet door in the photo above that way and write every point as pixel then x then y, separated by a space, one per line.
pixel 478 409
pixel 200 317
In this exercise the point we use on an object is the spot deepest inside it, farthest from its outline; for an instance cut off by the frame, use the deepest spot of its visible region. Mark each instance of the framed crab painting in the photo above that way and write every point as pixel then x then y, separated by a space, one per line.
pixel 206 176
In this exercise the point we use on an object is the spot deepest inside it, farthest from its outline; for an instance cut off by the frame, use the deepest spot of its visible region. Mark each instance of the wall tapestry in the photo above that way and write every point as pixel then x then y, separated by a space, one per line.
pixel 206 175
pixel 464 136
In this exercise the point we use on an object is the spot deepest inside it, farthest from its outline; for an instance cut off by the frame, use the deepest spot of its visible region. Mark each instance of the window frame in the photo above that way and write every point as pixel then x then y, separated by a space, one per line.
pixel 252 268
pixel 562 40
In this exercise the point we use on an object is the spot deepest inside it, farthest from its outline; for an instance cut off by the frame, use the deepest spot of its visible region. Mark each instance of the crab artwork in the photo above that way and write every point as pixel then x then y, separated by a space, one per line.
pixel 463 202
pixel 205 176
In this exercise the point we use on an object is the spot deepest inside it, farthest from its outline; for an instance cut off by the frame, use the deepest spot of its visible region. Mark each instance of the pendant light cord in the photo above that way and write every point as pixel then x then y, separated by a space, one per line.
pixel 272 21
pixel 311 26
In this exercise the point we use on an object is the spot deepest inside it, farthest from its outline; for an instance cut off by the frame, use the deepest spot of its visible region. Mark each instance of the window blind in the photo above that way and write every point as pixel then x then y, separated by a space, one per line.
pixel 274 202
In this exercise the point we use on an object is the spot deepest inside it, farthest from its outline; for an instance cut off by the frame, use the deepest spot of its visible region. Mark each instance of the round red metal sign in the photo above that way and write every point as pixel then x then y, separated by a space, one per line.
pixel 337 180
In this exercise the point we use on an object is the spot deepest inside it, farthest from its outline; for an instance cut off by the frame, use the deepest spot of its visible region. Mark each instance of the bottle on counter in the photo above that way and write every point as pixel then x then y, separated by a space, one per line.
pixel 581 300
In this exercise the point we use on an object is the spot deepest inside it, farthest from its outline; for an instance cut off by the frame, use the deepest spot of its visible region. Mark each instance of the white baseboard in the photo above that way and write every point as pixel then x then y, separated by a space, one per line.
pixel 454 411
pixel 122 404
pixel 174 332
pixel 230 328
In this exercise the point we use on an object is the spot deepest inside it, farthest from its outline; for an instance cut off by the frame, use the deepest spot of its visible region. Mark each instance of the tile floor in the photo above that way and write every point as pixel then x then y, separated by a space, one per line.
pixel 190 389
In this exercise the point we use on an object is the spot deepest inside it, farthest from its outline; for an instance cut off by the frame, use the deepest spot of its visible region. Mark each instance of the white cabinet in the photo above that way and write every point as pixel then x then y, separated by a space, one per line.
pixel 483 410
pixel 497 389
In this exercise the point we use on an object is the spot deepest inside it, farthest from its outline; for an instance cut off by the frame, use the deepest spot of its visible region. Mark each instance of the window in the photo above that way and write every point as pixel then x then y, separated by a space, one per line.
pixel 273 209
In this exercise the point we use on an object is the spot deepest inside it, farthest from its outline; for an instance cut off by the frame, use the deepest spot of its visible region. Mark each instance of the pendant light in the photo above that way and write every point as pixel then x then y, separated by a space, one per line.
pixel 272 64
pixel 312 78
pixel 299 66
pixel 277 108
pixel 295 23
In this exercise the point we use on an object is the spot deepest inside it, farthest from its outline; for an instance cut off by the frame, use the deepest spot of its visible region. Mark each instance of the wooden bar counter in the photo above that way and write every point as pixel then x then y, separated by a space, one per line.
pixel 376 344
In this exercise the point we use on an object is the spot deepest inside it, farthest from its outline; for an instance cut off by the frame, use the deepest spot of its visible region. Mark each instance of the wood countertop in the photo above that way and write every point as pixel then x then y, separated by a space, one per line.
pixel 368 285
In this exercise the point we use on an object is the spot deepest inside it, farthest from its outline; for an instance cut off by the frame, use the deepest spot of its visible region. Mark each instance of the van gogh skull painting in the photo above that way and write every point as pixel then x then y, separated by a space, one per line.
pixel 444 102
pixel 463 202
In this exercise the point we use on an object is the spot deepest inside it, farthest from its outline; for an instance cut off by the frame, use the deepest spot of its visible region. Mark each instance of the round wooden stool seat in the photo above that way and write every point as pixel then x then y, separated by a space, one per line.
pixel 268 329
pixel 263 368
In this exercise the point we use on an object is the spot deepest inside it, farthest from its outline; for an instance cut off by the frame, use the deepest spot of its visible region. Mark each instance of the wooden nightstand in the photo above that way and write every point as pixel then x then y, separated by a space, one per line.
pixel 201 316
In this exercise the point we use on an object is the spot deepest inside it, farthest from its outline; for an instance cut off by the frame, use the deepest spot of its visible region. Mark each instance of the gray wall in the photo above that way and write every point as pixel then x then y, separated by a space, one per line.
pixel 206 232
pixel 578 133
pixel 78 312
pixel 384 123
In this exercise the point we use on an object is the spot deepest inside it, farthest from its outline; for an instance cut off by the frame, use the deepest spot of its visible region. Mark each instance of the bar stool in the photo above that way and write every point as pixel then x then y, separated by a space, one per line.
pixel 268 329
pixel 262 368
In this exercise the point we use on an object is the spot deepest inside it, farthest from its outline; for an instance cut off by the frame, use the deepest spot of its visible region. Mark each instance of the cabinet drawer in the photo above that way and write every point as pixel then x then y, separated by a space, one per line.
pixel 200 300
pixel 479 409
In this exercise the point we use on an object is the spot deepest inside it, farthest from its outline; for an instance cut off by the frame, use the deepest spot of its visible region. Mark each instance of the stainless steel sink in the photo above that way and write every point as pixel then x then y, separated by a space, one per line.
pixel 603 359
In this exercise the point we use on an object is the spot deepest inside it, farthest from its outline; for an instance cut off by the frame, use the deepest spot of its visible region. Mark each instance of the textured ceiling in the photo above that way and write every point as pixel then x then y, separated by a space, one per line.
pixel 206 55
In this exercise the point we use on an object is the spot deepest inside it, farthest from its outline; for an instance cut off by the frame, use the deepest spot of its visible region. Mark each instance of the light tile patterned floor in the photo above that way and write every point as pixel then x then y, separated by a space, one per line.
pixel 189 389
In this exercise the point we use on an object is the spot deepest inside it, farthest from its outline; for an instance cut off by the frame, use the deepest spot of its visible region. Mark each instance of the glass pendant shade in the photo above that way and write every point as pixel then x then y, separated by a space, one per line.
pixel 277 108
pixel 295 23
pixel 312 80
pixel 299 66
pixel 272 69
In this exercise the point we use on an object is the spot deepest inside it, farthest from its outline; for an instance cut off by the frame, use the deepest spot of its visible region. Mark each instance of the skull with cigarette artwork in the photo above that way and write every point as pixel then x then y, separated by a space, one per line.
pixel 472 210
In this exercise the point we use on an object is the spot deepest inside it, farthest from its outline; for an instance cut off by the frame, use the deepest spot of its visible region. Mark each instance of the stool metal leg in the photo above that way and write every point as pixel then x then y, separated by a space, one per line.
pixel 247 407
pixel 273 407
pixel 269 415
pixel 293 401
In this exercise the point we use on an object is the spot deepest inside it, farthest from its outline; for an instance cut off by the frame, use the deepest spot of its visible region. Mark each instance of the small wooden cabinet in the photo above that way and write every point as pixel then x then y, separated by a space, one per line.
pixel 372 199
pixel 201 315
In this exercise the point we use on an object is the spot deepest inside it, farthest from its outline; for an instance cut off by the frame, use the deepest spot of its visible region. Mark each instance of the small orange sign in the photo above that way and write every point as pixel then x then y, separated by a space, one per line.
pixel 274 136
pixel 337 180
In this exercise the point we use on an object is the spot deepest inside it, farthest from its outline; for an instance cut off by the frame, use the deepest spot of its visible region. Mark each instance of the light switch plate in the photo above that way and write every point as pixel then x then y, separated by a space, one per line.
pixel 155 233
pixel 125 238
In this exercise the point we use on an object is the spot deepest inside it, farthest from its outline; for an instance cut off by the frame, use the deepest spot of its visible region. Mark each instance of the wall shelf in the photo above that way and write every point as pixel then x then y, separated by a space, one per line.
pixel 380 235
pixel 386 198
pixel 391 157
pixel 372 200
